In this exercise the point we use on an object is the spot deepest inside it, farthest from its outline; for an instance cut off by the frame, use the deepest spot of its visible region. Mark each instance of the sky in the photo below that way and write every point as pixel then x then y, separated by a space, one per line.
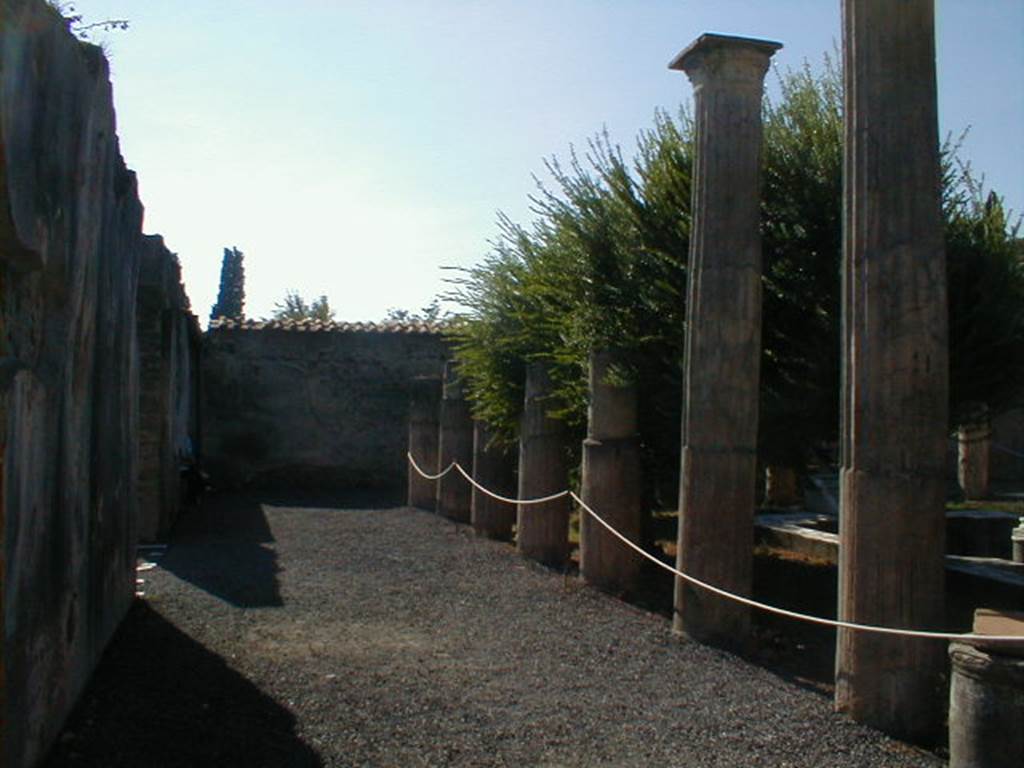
pixel 355 149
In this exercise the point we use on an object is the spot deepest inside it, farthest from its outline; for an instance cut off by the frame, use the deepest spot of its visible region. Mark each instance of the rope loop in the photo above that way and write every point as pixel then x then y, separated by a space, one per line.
pixel 742 599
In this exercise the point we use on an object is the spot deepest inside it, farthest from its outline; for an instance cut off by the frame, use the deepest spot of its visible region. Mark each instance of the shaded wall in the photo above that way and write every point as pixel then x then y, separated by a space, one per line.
pixel 169 339
pixel 70 245
pixel 286 405
pixel 1007 455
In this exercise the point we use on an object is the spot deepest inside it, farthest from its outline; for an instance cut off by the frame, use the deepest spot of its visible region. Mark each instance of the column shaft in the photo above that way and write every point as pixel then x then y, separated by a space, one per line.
pixel 455 444
pixel 895 372
pixel 542 529
pixel 424 409
pixel 611 481
pixel 494 467
pixel 723 336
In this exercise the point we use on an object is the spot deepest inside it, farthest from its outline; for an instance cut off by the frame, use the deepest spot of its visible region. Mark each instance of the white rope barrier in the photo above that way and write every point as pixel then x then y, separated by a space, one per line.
pixel 424 475
pixel 821 620
pixel 541 500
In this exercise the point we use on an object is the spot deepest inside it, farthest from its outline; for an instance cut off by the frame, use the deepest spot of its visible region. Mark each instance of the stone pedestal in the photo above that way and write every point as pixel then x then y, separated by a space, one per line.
pixel 986 709
pixel 424 413
pixel 494 467
pixel 611 481
pixel 895 373
pixel 1017 542
pixel 456 444
pixel 723 336
pixel 542 529
pixel 974 446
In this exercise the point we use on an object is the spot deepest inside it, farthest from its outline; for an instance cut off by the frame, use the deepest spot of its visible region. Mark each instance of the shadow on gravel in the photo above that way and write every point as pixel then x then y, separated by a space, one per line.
pixel 158 698
pixel 802 654
pixel 225 547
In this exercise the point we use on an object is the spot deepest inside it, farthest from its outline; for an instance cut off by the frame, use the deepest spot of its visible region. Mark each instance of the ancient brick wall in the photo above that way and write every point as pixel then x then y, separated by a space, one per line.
pixel 312 406
pixel 70 252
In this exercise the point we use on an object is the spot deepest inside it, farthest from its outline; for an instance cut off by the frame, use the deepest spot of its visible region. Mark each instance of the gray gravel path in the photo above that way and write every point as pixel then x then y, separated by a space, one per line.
pixel 352 637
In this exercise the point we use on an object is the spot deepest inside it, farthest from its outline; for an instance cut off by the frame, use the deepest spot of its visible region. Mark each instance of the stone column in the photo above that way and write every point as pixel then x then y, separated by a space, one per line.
pixel 974 447
pixel 895 371
pixel 543 529
pixel 723 336
pixel 494 467
pixel 611 481
pixel 424 410
pixel 455 444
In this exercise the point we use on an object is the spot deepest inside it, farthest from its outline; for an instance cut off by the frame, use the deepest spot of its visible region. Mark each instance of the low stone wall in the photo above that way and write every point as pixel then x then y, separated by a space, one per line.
pixel 324 406
pixel 71 247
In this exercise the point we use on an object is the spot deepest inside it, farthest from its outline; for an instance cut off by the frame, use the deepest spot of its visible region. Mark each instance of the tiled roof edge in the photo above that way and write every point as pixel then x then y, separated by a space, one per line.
pixel 319 326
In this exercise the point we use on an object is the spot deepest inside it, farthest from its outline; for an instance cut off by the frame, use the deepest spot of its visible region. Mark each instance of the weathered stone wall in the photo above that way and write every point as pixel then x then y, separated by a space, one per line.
pixel 70 252
pixel 169 339
pixel 312 405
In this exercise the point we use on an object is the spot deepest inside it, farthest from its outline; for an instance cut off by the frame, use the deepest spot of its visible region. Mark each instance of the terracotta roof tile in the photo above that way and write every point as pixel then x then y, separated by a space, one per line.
pixel 309 325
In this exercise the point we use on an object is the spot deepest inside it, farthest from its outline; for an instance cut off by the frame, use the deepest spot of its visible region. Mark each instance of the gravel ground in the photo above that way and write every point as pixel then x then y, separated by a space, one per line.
pixel 279 632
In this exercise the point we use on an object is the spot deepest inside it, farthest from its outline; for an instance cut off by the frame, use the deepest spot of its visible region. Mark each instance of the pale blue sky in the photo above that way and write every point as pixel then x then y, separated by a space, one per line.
pixel 355 148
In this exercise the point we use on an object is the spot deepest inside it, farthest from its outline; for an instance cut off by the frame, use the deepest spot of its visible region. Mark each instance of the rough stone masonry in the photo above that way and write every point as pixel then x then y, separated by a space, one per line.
pixel 71 248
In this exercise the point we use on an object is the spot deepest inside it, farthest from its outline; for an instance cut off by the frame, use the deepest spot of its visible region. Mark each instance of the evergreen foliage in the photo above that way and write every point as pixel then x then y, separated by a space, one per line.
pixel 603 265
pixel 294 307
pixel 231 297
pixel 985 262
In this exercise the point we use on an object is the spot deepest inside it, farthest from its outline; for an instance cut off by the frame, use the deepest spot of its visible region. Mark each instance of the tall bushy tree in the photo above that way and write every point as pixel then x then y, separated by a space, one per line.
pixel 604 265
pixel 231 297
pixel 985 262
pixel 801 214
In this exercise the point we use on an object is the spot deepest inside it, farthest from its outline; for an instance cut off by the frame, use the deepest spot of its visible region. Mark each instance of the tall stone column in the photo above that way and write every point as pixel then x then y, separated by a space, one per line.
pixel 494 467
pixel 723 336
pixel 611 481
pixel 895 372
pixel 424 410
pixel 455 444
pixel 542 529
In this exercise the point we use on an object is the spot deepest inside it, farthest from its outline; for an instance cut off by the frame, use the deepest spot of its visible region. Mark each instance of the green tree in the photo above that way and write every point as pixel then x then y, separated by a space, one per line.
pixel 294 307
pixel 801 214
pixel 985 262
pixel 231 296
pixel 604 264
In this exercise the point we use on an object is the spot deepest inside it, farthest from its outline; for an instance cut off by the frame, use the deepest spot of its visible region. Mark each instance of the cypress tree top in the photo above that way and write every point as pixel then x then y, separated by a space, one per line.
pixel 231 297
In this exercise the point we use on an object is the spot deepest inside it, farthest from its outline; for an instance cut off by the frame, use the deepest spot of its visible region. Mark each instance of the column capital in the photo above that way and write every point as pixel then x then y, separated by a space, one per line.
pixel 719 59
